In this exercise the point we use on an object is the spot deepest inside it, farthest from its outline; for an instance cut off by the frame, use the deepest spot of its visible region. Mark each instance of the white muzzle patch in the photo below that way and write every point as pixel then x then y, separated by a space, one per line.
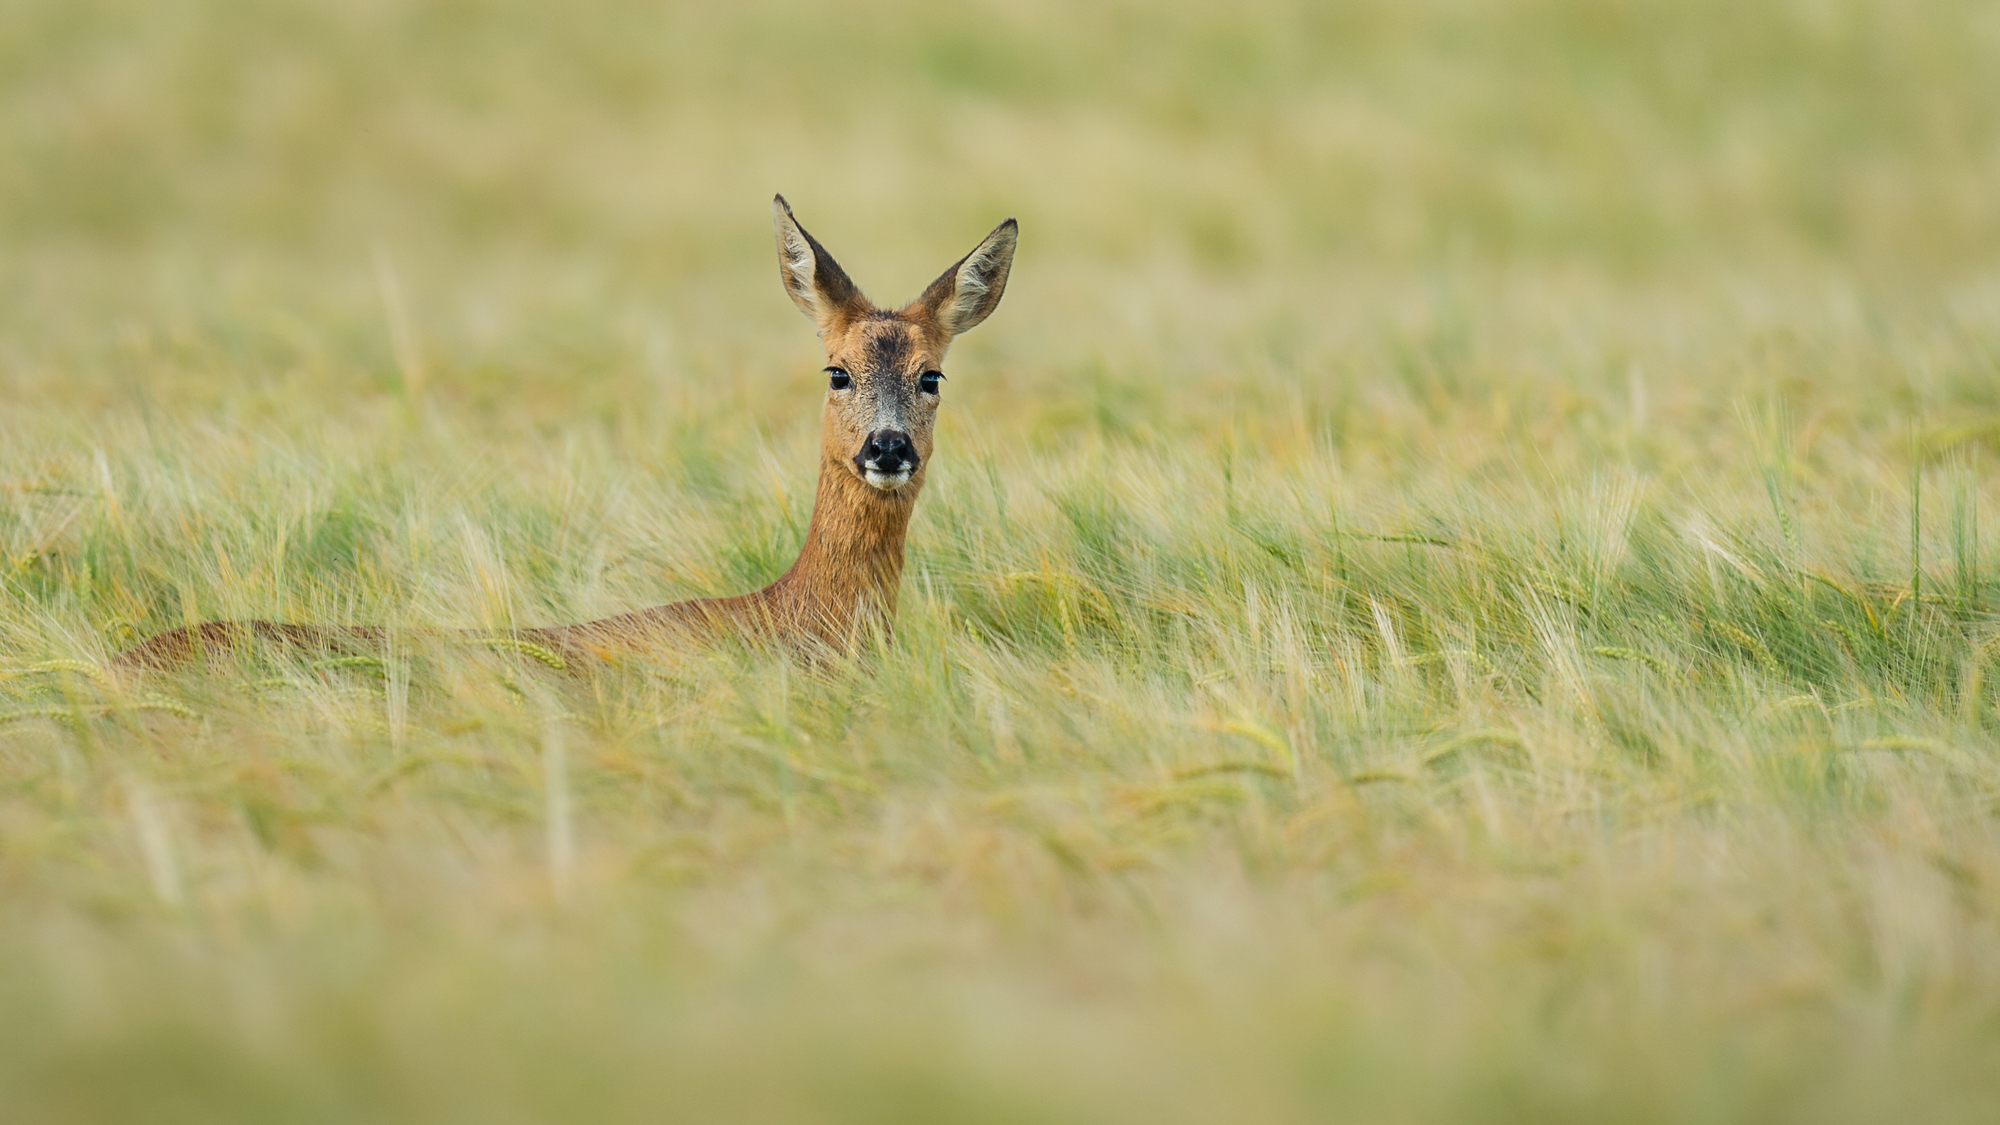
pixel 887 482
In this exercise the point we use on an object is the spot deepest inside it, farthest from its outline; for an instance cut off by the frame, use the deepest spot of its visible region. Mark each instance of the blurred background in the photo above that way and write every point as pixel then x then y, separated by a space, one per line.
pixel 556 190
pixel 1640 136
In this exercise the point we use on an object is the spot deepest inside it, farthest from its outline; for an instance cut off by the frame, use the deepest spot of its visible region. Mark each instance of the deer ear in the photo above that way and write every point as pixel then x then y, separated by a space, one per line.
pixel 968 292
pixel 813 280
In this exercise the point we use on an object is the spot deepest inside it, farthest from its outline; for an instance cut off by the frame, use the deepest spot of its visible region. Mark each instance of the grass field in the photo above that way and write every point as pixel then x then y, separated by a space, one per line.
pixel 1459 583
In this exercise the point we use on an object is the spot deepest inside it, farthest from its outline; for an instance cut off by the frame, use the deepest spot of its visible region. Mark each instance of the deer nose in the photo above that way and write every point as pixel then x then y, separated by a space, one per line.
pixel 887 451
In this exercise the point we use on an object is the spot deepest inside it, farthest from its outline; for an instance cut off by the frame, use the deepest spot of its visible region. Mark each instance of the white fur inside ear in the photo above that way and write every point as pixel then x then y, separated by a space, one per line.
pixel 976 287
pixel 797 256
pixel 969 289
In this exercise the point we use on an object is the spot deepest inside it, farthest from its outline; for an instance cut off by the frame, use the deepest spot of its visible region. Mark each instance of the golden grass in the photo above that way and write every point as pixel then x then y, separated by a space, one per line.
pixel 1453 586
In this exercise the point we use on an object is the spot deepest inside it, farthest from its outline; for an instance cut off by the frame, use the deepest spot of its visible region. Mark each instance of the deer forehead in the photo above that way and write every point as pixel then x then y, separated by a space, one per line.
pixel 883 344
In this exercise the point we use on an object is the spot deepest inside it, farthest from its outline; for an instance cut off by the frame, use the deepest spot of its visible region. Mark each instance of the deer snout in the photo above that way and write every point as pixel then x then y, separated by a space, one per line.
pixel 887 459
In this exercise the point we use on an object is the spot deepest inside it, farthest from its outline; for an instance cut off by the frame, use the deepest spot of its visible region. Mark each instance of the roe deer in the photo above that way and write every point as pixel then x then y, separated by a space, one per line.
pixel 875 444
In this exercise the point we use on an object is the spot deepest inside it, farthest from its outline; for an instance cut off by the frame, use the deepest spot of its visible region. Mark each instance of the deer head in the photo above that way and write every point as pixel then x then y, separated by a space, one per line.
pixel 885 366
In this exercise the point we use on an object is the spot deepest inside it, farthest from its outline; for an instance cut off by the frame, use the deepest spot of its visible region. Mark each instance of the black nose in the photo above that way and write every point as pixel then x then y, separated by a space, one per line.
pixel 887 451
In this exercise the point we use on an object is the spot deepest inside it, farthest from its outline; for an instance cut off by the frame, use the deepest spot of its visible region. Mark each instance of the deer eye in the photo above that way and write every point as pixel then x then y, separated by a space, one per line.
pixel 928 382
pixel 839 380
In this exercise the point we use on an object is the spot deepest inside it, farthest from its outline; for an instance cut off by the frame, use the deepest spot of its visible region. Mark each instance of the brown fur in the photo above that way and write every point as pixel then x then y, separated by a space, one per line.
pixel 848 572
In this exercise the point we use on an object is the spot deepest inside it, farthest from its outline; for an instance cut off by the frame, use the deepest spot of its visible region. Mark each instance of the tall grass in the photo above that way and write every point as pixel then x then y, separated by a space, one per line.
pixel 1453 587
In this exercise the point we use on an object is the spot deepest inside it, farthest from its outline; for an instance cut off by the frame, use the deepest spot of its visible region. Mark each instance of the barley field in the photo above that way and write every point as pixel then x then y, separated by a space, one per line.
pixel 1459 584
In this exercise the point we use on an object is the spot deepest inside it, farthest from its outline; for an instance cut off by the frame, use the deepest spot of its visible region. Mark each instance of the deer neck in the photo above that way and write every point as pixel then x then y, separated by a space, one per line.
pixel 852 561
